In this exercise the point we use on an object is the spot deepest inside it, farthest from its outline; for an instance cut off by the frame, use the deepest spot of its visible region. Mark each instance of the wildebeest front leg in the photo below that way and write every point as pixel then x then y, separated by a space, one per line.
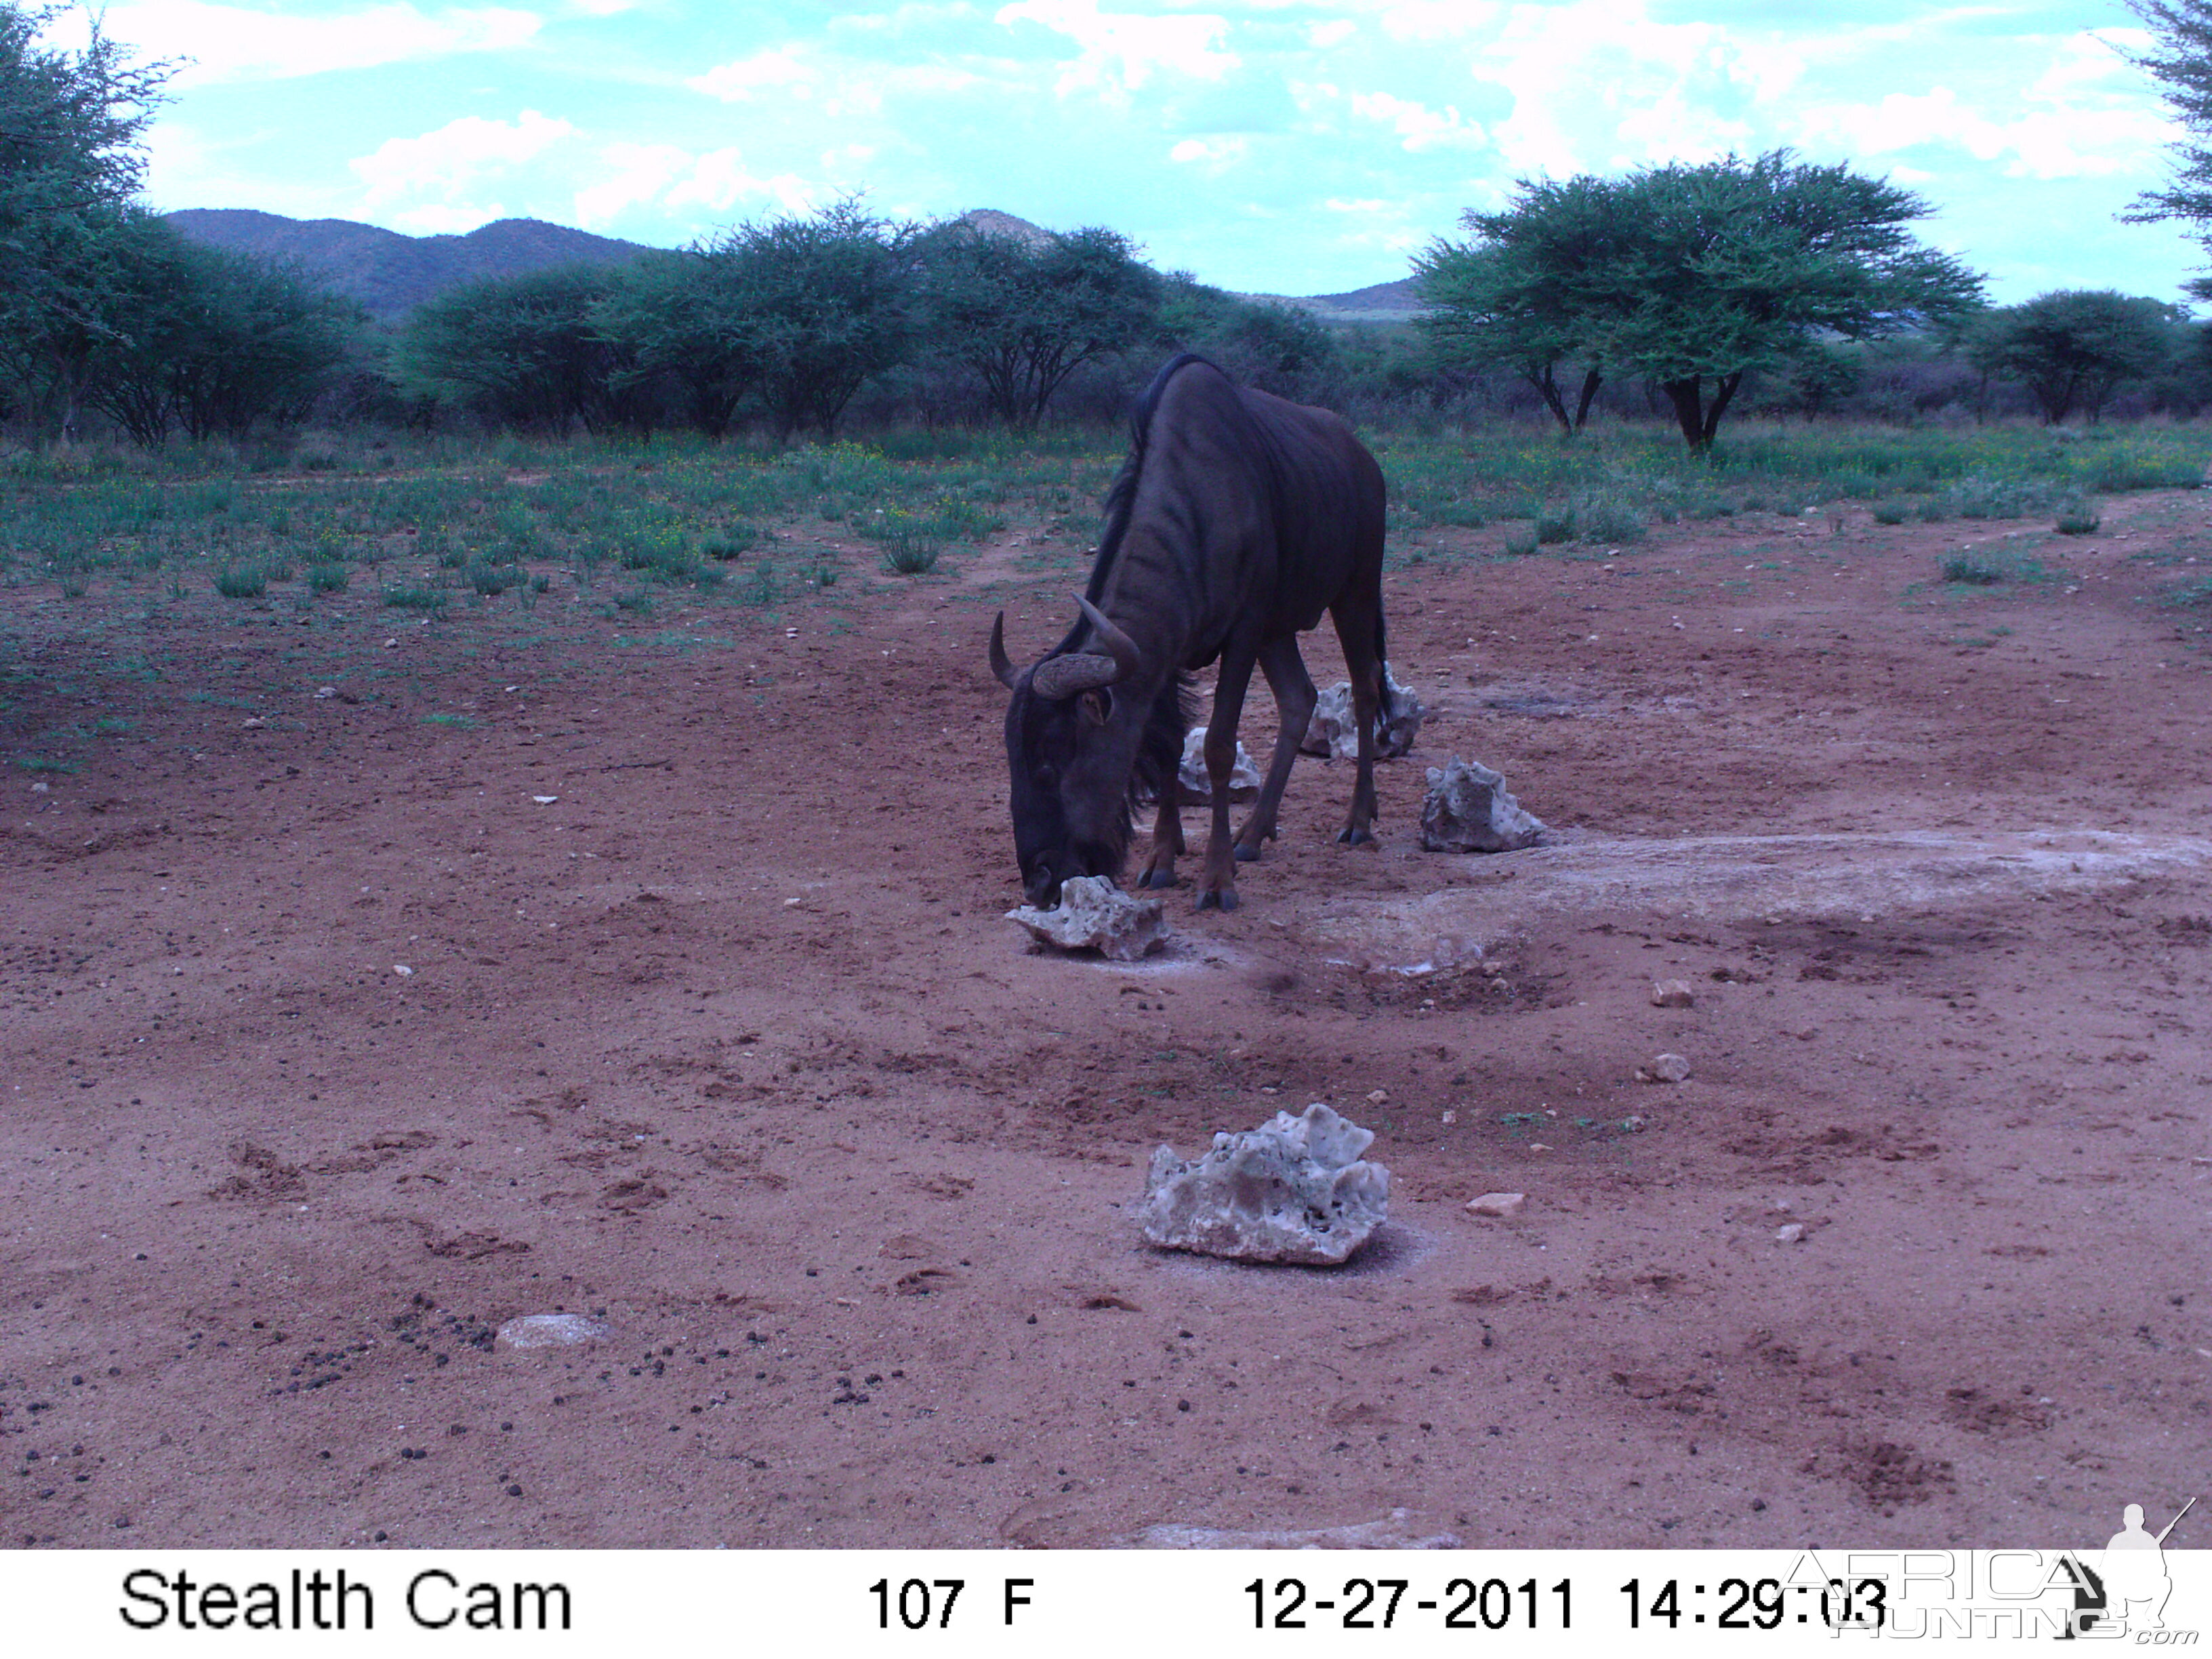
pixel 1217 886
pixel 1167 840
pixel 1294 698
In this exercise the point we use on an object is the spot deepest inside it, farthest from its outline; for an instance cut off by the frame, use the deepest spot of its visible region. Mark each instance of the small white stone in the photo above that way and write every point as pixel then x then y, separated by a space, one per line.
pixel 1501 1206
pixel 325 692
pixel 545 800
pixel 1376 1097
pixel 1664 1069
pixel 1673 993
pixel 551 1331
pixel 402 970
pixel 1793 1233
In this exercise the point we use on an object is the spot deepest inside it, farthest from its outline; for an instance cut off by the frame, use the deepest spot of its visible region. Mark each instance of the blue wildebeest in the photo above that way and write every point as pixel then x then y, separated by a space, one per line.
pixel 1236 520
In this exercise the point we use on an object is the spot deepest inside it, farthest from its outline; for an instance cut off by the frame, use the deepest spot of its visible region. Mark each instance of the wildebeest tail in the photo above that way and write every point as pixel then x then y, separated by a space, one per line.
pixel 1387 706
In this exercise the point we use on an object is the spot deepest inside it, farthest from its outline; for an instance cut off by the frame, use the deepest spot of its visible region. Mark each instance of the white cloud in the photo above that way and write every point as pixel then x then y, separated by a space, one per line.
pixel 1215 154
pixel 223 44
pixel 1121 52
pixel 452 161
pixel 1418 127
pixel 669 179
pixel 642 172
pixel 745 78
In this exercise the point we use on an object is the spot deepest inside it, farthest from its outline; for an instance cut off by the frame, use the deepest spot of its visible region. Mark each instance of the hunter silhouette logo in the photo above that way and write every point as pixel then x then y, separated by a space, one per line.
pixel 2127 1591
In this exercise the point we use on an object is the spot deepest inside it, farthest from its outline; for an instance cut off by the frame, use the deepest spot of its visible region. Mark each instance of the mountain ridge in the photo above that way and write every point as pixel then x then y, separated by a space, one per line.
pixel 391 273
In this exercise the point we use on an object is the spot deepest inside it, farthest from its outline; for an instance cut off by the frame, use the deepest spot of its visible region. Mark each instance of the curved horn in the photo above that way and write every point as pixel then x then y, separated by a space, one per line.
pixel 1001 664
pixel 1119 646
pixel 1062 677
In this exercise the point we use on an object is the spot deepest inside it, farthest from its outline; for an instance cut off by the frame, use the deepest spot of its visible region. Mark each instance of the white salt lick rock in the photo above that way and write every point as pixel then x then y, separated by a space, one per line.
pixel 1095 914
pixel 1294 1189
pixel 1468 810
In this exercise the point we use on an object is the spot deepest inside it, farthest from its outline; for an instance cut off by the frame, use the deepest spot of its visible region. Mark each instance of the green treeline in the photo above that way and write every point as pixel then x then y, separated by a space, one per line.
pixel 1675 293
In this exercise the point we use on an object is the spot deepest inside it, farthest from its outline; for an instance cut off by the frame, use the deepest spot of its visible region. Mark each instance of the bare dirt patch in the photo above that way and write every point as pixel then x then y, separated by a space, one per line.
pixel 725 1042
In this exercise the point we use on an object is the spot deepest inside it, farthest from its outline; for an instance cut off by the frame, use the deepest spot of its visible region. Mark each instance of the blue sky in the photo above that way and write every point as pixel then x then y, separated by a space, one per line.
pixel 1265 145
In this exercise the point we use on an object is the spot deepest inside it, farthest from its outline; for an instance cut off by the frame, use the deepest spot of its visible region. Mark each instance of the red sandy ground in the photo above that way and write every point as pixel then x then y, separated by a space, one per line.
pixel 730 1045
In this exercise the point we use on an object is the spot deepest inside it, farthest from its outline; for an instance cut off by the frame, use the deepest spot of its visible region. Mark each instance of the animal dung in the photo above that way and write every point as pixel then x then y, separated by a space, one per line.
pixel 1468 810
pixel 1333 730
pixel 1093 914
pixel 1294 1189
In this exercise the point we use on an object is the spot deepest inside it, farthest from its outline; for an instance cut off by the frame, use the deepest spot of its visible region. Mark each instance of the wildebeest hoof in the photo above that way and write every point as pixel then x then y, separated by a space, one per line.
pixel 1354 837
pixel 1248 854
pixel 1222 898
pixel 1160 878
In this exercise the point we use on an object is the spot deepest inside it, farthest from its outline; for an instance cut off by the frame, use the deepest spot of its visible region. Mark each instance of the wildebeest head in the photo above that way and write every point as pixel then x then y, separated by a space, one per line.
pixel 1073 728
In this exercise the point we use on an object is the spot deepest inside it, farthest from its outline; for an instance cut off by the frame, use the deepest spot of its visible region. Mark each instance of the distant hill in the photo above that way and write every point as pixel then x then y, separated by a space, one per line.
pixel 391 274
pixel 1382 302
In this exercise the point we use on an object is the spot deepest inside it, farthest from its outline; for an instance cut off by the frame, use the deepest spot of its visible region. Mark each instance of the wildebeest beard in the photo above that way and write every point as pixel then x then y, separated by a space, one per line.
pixel 1154 770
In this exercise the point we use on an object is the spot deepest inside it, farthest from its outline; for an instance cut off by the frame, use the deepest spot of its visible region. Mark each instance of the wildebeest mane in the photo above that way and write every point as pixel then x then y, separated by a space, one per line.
pixel 1159 752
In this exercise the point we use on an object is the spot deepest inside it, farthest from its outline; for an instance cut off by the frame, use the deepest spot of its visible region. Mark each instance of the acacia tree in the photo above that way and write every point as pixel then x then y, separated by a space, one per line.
pixel 801 311
pixel 1691 277
pixel 2075 349
pixel 2181 59
pixel 1025 314
pixel 526 351
pixel 69 163
pixel 1515 295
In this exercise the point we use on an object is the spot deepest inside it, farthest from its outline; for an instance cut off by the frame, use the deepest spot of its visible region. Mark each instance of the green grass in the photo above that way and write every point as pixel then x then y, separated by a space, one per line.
pixel 690 523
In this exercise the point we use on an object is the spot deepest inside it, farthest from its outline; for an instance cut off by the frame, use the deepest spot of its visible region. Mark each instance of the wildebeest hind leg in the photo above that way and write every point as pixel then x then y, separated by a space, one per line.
pixel 1216 887
pixel 1167 840
pixel 1294 698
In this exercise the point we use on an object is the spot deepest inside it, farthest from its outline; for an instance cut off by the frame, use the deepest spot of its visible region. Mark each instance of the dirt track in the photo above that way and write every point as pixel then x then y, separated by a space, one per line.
pixel 729 1044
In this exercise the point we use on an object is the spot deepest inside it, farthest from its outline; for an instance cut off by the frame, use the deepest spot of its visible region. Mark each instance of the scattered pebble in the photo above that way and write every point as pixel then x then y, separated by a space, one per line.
pixel 1673 993
pixel 402 970
pixel 545 800
pixel 323 691
pixel 1791 1233
pixel 1664 1069
pixel 254 723
pixel 1377 1096
pixel 1501 1206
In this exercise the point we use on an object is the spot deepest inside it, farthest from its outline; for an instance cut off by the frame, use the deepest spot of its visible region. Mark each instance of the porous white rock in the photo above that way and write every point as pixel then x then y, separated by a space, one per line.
pixel 1093 914
pixel 1294 1189
pixel 1468 810
pixel 1334 729
pixel 556 1330
pixel 1197 786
